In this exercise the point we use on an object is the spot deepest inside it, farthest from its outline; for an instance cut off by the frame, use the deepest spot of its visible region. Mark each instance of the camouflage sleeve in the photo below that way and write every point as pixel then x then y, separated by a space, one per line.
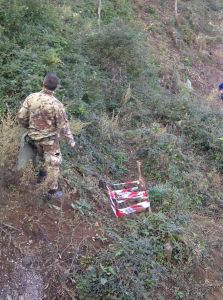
pixel 63 125
pixel 23 114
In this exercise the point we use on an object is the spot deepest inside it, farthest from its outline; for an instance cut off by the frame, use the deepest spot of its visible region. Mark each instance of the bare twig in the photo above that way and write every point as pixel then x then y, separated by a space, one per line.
pixel 176 8
pixel 176 11
pixel 9 226
pixel 141 179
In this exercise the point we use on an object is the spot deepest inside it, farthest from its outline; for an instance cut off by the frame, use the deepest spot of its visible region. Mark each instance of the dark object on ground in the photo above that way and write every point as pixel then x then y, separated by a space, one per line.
pixel 220 87
pixel 54 195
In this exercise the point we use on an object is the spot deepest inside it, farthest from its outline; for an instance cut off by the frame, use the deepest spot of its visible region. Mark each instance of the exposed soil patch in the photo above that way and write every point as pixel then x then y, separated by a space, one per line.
pixel 38 245
pixel 209 269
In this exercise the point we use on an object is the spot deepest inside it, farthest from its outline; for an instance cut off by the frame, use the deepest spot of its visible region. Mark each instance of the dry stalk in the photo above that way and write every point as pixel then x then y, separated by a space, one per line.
pixel 125 99
pixel 60 222
pixel 99 14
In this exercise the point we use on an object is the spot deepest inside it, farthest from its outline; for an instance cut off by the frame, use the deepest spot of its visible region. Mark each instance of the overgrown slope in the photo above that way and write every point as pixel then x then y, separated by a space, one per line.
pixel 123 73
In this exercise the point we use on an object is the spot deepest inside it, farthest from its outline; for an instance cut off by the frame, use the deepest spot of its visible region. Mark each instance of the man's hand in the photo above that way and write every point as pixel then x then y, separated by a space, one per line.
pixel 73 144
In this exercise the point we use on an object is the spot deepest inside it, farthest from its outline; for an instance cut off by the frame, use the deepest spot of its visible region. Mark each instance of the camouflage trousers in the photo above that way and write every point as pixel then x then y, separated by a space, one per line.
pixel 49 156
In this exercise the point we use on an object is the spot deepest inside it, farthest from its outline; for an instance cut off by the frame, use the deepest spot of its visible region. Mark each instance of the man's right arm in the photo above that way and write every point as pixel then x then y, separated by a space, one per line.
pixel 23 115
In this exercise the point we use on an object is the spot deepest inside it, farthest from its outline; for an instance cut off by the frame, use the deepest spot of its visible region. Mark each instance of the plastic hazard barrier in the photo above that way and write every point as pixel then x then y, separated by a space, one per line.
pixel 132 193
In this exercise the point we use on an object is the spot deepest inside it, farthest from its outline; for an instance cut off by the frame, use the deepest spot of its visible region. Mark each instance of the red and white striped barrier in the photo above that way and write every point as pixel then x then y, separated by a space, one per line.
pixel 130 191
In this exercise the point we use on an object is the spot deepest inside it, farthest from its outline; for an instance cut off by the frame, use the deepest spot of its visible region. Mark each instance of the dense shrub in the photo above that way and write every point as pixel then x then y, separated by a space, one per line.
pixel 29 48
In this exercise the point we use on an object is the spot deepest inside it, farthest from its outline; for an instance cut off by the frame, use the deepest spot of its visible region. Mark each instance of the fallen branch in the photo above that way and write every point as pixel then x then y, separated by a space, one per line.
pixel 9 226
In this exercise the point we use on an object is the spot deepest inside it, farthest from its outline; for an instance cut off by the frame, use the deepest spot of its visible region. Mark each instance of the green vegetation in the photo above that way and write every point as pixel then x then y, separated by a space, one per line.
pixel 139 260
pixel 127 89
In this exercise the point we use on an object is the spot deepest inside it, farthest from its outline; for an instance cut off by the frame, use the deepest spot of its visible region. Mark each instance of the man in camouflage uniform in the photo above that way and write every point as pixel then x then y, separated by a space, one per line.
pixel 45 118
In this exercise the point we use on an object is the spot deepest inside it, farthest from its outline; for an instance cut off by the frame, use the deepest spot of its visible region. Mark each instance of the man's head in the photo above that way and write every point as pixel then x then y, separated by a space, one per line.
pixel 50 81
pixel 220 88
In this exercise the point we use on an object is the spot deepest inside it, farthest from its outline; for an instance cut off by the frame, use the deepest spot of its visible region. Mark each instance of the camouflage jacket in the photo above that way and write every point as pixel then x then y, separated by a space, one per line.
pixel 44 116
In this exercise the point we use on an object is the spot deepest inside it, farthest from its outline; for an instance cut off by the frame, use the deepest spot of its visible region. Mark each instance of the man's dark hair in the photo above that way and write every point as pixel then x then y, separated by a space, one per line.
pixel 220 87
pixel 50 81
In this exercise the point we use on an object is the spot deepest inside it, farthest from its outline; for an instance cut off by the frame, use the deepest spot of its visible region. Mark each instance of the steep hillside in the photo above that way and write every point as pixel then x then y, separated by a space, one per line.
pixel 125 69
